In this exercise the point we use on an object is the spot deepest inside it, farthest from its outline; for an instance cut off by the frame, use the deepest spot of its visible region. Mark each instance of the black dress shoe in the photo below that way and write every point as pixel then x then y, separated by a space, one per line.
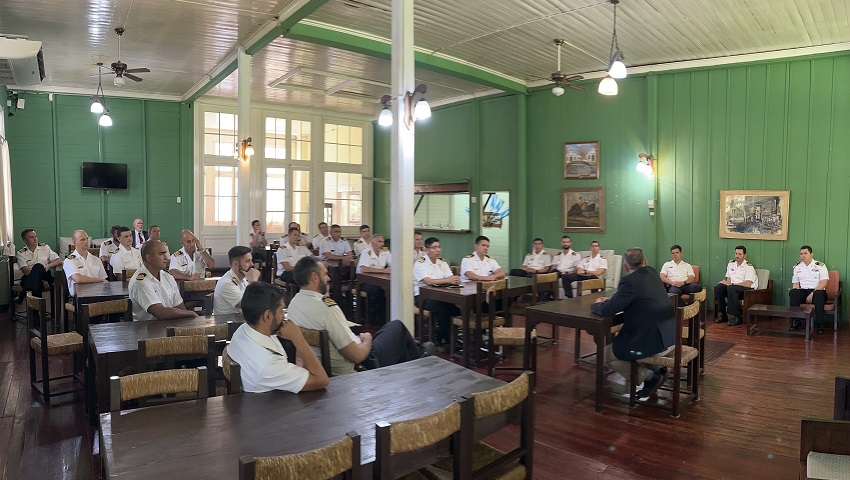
pixel 651 386
pixel 721 319
pixel 736 320
pixel 795 324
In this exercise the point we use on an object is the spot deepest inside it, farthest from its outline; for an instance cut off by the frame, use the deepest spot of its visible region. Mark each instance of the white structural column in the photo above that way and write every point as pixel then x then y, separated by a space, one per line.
pixel 401 189
pixel 243 109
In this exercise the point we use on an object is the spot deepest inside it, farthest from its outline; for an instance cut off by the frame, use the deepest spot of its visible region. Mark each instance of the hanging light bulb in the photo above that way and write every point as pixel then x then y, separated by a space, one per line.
pixel 249 150
pixel 105 120
pixel 608 86
pixel 422 109
pixel 385 119
pixel 558 90
pixel 119 81
pixel 618 68
pixel 96 106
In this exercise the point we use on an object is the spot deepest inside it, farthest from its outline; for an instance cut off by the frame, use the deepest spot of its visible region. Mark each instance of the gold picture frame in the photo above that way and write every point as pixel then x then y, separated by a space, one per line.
pixel 754 214
pixel 581 160
pixel 583 209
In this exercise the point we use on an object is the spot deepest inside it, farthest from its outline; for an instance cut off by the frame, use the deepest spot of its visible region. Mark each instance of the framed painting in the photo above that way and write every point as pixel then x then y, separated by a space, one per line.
pixel 754 214
pixel 581 160
pixel 583 209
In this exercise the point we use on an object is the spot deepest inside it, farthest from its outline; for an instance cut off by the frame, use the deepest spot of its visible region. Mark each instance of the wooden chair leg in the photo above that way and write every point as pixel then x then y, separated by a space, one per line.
pixel 677 387
pixel 633 385
pixel 556 335
pixel 578 345
pixel 45 378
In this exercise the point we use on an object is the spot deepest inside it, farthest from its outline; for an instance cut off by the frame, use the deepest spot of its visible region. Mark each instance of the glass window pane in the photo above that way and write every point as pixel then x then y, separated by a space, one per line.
pixel 276 200
pixel 344 135
pixel 330 133
pixel 301 180
pixel 210 122
pixel 275 221
pixel 220 190
pixel 303 219
pixel 300 201
pixel 343 195
pixel 276 178
pixel 356 136
pixel 356 155
pixel 330 153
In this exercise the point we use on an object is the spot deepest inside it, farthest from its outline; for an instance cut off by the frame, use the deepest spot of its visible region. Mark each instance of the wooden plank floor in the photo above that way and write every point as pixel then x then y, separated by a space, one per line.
pixel 746 424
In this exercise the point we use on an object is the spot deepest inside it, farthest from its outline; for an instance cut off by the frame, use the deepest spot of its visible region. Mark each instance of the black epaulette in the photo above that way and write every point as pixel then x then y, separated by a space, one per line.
pixel 22 250
pixel 385 249
pixel 421 260
pixel 71 257
pixel 142 275
pixel 469 256
pixel 795 265
pixel 575 253
pixel 177 253
pixel 732 261
pixel 529 254
pixel 42 244
pixel 818 263
pixel 486 256
pixel 750 264
pixel 108 242
pixel 235 280
pixel 329 301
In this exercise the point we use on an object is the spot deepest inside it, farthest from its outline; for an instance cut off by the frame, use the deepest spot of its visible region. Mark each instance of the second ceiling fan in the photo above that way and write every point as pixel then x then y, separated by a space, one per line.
pixel 119 68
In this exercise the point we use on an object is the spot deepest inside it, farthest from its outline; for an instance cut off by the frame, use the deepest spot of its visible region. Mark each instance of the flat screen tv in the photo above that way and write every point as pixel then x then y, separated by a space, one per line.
pixel 109 176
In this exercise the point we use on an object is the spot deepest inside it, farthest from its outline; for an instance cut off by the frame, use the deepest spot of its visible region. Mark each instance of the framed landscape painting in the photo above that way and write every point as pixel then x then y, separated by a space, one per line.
pixel 581 160
pixel 754 214
pixel 583 209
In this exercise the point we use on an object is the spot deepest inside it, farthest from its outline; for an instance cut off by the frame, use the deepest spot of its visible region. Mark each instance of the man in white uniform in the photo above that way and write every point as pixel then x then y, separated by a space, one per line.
pixel 229 289
pixel 678 276
pixel 189 262
pixel 289 253
pixel 363 242
pixel 126 257
pixel 109 247
pixel 311 309
pixel 80 266
pixel 740 276
pixel 478 266
pixel 375 259
pixel 262 359
pixel 431 270
pixel 536 261
pixel 35 261
pixel 418 248
pixel 336 247
pixel 566 263
pixel 809 279
pixel 153 290
pixel 320 237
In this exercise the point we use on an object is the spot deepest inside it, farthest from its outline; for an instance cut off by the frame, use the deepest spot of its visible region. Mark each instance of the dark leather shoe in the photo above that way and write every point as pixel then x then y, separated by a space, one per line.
pixel 736 320
pixel 721 319
pixel 652 385
pixel 795 324
pixel 428 349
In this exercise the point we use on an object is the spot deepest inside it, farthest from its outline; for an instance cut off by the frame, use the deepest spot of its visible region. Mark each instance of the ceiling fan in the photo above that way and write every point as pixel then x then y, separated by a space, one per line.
pixel 561 79
pixel 120 69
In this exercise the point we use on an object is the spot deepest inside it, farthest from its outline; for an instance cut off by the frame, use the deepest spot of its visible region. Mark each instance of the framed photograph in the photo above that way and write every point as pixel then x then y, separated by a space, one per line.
pixel 754 214
pixel 583 209
pixel 581 160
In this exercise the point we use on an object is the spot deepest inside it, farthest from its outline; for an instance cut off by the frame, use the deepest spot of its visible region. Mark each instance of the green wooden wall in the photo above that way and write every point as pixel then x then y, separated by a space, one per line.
pixel 778 124
pixel 50 139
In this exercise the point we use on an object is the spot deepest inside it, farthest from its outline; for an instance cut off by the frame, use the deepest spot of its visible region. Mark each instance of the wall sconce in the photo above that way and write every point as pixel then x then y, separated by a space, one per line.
pixel 646 164
pixel 420 110
pixel 244 149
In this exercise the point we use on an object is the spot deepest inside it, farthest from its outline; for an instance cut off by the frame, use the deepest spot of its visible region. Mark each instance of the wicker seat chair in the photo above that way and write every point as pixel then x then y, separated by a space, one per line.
pixel 126 275
pixel 543 283
pixel 171 351
pixel 320 340
pixel 232 373
pixel 686 331
pixel 482 461
pixel 398 442
pixel 143 386
pixel 198 293
pixel 89 312
pixel 833 299
pixel 591 286
pixel 45 345
pixel 340 459
pixel 479 322
pixel 682 356
pixel 502 336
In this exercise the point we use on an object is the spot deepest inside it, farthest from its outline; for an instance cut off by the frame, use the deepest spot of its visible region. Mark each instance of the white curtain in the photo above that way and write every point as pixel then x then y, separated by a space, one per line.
pixel 7 236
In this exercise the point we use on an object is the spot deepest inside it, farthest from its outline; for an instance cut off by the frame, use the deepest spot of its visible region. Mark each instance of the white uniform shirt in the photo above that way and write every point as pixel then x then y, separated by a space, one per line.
pixel 741 273
pixel 338 247
pixel 417 254
pixel 472 263
pixel 677 273
pixel 289 254
pixel 360 245
pixel 808 276
pixel 263 364
pixel 228 293
pixel 146 290
pixel 109 247
pixel 42 254
pixel 309 309
pixel 318 240
pixel 369 258
pixel 537 260
pixel 567 262
pixel 181 261
pixel 89 266
pixel 425 268
pixel 126 259
pixel 592 264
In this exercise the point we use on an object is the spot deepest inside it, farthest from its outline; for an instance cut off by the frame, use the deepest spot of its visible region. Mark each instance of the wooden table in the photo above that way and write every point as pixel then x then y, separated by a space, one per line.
pixel 113 347
pixel 381 280
pixel 573 313
pixel 99 292
pixel 780 311
pixel 337 270
pixel 205 438
pixel 464 299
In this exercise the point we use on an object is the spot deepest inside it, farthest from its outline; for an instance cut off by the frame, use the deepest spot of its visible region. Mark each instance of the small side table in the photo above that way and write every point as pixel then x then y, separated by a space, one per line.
pixel 780 311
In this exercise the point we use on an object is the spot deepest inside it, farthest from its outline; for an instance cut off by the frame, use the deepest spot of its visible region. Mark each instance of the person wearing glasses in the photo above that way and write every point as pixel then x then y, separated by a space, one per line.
pixel 432 270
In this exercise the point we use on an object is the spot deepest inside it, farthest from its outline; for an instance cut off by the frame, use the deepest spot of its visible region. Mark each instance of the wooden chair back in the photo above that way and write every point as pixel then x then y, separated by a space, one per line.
pixel 88 311
pixel 394 442
pixel 340 459
pixel 833 286
pixel 320 340
pixel 221 331
pixel 515 399
pixel 545 282
pixel 168 351
pixel 142 386
pixel 593 285
pixel 696 273
pixel 232 373
pixel 127 274
pixel 198 293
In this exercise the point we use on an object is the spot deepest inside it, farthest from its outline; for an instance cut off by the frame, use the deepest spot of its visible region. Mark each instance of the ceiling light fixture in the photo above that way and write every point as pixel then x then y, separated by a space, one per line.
pixel 616 67
pixel 119 81
pixel 98 102
pixel 420 110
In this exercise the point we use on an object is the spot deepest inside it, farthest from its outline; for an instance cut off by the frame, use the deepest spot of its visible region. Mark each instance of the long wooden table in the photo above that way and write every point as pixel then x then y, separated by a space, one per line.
pixel 113 347
pixel 464 299
pixel 99 292
pixel 205 438
pixel 382 280
pixel 573 313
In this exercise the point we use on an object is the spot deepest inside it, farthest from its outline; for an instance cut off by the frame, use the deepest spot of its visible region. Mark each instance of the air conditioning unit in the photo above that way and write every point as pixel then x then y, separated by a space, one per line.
pixel 21 62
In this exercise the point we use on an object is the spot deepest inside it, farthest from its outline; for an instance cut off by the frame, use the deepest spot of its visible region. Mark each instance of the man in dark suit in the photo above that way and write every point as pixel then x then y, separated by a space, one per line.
pixel 648 318
pixel 140 236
